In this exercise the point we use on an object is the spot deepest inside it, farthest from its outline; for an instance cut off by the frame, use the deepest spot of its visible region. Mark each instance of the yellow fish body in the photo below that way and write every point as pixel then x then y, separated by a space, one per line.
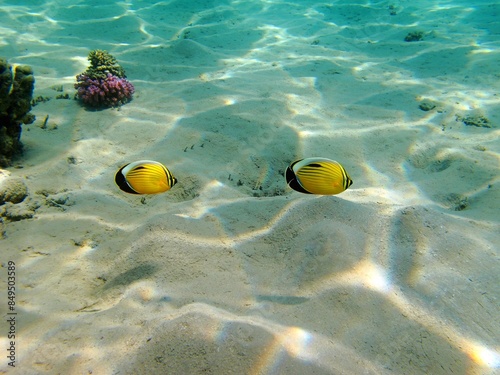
pixel 317 176
pixel 144 177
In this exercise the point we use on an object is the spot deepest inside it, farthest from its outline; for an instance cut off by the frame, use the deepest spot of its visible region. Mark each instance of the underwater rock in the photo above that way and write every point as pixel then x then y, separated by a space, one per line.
pixel 427 105
pixel 16 93
pixel 16 212
pixel 414 36
pixel 104 83
pixel 15 203
pixel 477 121
pixel 13 190
pixel 457 202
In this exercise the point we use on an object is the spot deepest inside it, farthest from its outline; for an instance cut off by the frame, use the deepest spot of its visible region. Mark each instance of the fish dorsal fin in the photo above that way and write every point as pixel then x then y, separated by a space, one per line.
pixel 135 164
pixel 303 162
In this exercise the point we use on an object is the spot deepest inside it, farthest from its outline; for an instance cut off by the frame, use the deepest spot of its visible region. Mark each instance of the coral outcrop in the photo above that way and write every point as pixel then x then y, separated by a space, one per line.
pixel 16 93
pixel 104 83
pixel 111 91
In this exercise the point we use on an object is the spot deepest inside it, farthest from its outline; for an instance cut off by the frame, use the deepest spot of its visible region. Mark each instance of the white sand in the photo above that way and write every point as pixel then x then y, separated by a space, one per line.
pixel 231 272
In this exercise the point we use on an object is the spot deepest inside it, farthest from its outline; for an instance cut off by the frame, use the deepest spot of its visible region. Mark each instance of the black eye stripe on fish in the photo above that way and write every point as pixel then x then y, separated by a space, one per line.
pixel 317 176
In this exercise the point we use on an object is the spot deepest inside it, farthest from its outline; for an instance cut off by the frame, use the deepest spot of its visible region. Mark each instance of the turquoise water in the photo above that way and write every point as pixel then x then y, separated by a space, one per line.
pixel 230 271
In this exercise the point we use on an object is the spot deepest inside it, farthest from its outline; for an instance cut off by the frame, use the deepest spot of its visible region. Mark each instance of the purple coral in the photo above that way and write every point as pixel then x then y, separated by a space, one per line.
pixel 112 91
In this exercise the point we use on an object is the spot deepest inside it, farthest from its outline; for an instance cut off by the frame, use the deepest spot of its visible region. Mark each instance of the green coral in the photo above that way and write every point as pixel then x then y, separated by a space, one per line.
pixel 102 64
pixel 99 57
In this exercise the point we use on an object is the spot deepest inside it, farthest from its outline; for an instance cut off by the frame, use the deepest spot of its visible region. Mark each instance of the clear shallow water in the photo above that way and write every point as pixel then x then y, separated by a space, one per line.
pixel 231 272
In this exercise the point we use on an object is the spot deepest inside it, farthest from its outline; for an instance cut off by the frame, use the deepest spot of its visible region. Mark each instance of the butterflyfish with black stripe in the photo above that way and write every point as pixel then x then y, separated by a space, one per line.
pixel 144 177
pixel 317 176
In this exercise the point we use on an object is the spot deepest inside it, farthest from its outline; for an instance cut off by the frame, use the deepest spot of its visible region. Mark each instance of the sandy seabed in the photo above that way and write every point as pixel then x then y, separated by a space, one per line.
pixel 231 272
